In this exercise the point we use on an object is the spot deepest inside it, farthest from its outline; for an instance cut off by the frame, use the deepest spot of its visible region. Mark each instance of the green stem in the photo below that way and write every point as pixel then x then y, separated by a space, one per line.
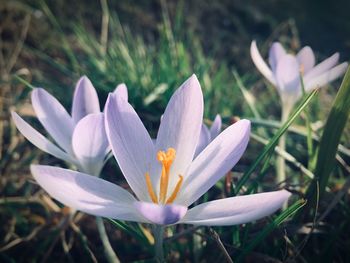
pixel 281 163
pixel 108 250
pixel 158 232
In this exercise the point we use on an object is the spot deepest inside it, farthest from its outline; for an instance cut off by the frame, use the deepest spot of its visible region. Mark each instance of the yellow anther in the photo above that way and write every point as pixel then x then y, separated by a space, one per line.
pixel 166 159
pixel 176 190
pixel 150 189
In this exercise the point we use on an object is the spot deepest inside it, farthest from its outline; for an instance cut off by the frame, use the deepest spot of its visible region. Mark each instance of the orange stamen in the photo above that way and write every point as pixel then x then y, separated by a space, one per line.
pixel 166 159
pixel 176 190
pixel 150 189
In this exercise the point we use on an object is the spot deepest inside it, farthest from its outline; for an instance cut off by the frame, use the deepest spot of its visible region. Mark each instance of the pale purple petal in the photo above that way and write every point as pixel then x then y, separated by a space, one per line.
pixel 53 117
pixel 276 52
pixel 39 140
pixel 215 128
pixel 181 125
pixel 236 210
pixel 161 214
pixel 90 143
pixel 87 193
pixel 85 100
pixel 214 162
pixel 288 75
pixel 322 67
pixel 326 77
pixel 306 59
pixel 260 63
pixel 122 91
pixel 130 142
pixel 204 139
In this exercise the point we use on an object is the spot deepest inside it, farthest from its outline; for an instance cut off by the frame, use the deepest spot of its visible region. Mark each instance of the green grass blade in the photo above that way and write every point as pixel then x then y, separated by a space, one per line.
pixel 131 231
pixel 274 140
pixel 270 227
pixel 330 139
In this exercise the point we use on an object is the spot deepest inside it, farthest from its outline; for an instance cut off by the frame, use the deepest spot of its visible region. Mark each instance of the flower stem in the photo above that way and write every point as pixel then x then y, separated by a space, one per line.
pixel 158 232
pixel 281 163
pixel 108 250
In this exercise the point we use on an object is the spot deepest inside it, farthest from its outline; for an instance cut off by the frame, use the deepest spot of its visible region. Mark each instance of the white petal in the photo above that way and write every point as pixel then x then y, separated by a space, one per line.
pixel 54 118
pixel 236 210
pixel 214 162
pixel 260 63
pixel 90 143
pixel 161 214
pixel 326 77
pixel 130 142
pixel 181 125
pixel 215 128
pixel 85 100
pixel 87 193
pixel 288 80
pixel 39 140
pixel 322 67
pixel 276 52
pixel 306 59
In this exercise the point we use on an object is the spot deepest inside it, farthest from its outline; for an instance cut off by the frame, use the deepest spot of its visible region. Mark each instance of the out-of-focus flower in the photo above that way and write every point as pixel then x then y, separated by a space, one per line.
pixel 286 69
pixel 80 137
pixel 164 175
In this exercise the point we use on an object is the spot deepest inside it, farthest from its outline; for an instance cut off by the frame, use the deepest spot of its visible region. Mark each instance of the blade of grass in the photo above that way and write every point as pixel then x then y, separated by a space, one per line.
pixel 131 231
pixel 275 139
pixel 330 139
pixel 270 227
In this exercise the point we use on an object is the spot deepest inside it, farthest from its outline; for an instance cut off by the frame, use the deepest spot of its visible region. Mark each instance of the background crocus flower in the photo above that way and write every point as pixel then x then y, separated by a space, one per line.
pixel 80 137
pixel 208 135
pixel 164 176
pixel 285 71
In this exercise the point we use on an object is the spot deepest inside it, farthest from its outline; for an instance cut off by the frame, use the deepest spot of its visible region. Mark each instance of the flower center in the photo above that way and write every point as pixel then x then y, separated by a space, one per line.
pixel 166 159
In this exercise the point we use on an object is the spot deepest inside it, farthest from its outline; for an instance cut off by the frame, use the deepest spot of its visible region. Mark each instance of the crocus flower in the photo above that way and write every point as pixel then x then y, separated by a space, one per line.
pixel 285 71
pixel 208 135
pixel 80 137
pixel 164 176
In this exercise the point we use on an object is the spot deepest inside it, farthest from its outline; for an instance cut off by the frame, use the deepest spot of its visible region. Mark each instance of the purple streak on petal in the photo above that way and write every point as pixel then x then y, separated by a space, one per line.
pixel 326 77
pixel 39 140
pixel 131 144
pixel 215 128
pixel 181 125
pixel 276 52
pixel 85 100
pixel 204 140
pixel 90 143
pixel 87 193
pixel 161 214
pixel 306 59
pixel 236 210
pixel 322 67
pixel 261 64
pixel 214 162
pixel 54 118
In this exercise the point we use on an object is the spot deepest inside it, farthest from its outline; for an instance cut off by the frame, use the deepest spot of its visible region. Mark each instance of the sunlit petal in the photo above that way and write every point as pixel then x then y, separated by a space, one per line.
pixel 130 142
pixel 87 193
pixel 214 162
pixel 54 118
pixel 236 210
